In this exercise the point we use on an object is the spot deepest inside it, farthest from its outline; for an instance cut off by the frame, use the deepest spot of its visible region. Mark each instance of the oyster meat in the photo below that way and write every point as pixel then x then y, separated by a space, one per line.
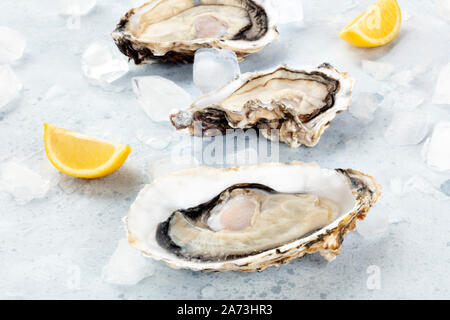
pixel 172 30
pixel 248 218
pixel 294 106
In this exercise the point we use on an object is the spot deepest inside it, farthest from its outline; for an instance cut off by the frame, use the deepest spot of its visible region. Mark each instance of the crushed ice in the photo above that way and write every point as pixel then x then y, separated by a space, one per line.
pixel 22 183
pixel 442 90
pixel 289 11
pixel 377 70
pixel 158 139
pixel 405 100
pixel 437 147
pixel 10 85
pixel 103 64
pixel 159 97
pixel 12 45
pixel 407 128
pixel 127 266
pixel 445 188
pixel 365 105
pixel 55 91
pixel 214 68
pixel 421 185
pixel 375 223
pixel 415 184
pixel 443 9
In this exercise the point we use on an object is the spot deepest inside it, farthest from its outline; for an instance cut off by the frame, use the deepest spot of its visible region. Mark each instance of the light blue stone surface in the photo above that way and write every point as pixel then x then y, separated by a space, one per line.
pixel 56 247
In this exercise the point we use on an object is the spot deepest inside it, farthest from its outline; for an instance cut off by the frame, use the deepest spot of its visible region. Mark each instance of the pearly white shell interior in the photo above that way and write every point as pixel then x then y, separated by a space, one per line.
pixel 171 7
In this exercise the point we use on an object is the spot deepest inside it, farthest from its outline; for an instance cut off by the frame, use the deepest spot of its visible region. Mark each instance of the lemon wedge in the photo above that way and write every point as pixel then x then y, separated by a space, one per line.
pixel 376 26
pixel 80 155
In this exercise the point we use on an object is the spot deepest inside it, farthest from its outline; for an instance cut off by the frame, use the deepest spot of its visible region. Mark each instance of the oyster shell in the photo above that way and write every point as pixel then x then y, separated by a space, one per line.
pixel 172 30
pixel 248 218
pixel 294 106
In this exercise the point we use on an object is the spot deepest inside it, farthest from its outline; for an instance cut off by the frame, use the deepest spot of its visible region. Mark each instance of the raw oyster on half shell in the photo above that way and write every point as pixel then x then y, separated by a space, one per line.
pixel 294 106
pixel 172 30
pixel 248 218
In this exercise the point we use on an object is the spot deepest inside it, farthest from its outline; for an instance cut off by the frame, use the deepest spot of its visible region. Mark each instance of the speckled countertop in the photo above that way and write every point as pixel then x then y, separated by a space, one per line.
pixel 57 246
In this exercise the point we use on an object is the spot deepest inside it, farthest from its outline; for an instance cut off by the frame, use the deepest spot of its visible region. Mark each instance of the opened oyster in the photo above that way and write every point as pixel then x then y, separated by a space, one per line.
pixel 287 105
pixel 172 30
pixel 248 218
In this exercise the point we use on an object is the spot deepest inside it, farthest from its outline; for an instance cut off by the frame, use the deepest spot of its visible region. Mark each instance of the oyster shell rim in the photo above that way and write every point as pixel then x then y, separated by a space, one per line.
pixel 327 240
pixel 315 126
pixel 138 50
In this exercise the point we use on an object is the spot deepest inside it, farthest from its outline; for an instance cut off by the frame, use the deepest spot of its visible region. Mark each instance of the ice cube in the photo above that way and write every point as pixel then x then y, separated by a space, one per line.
pixel 375 223
pixel 101 63
pixel 421 185
pixel 54 91
pixel 12 45
pixel 168 165
pixel 407 128
pixel 377 70
pixel 445 188
pixel 397 217
pixel 406 100
pixel 406 76
pixel 214 68
pixel 76 7
pixel 442 89
pixel 443 9
pixel 127 266
pixel 289 11
pixel 48 172
pixel 396 185
pixel 157 138
pixel 365 105
pixel 437 148
pixel 403 77
pixel 159 97
pixel 10 85
pixel 22 183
